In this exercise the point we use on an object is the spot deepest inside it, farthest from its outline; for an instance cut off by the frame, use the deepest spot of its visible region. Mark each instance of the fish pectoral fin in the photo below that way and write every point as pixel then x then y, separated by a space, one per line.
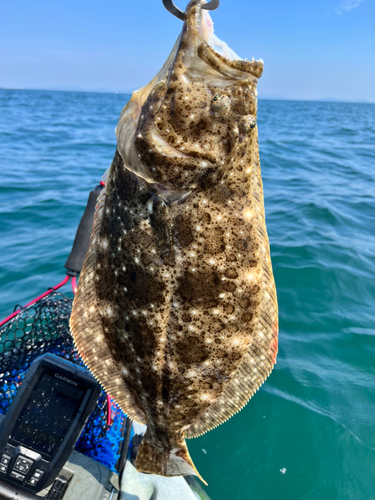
pixel 172 459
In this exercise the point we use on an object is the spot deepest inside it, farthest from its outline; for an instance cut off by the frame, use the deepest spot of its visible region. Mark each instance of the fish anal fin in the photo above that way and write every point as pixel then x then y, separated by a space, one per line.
pixel 87 328
pixel 89 337
pixel 169 460
pixel 256 365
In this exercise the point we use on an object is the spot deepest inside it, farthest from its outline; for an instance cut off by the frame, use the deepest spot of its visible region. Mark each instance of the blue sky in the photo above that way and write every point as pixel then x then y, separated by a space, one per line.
pixel 312 49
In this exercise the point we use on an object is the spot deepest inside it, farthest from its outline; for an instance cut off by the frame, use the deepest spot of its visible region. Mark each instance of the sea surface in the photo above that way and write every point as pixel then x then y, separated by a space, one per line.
pixel 309 433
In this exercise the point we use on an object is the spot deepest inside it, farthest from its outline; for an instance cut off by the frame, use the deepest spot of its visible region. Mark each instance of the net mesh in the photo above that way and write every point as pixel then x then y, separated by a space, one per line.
pixel 44 327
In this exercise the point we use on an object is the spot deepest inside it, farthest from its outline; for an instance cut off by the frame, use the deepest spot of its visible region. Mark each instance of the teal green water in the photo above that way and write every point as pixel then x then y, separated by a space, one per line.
pixel 309 433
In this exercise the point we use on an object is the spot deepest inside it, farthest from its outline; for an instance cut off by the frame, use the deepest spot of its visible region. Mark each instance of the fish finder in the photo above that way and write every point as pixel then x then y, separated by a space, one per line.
pixel 44 421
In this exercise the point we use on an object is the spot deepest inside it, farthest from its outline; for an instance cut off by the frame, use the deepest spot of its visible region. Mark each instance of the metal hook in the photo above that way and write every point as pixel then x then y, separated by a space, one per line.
pixel 213 5
pixel 170 6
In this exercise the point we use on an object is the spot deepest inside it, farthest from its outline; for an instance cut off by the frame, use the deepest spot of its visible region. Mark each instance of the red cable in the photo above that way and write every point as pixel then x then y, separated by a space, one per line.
pixel 74 285
pixel 48 292
pixel 109 411
pixel 102 183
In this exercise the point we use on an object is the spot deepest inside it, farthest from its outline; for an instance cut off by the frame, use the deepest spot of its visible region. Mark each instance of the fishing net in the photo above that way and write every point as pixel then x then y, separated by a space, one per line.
pixel 44 327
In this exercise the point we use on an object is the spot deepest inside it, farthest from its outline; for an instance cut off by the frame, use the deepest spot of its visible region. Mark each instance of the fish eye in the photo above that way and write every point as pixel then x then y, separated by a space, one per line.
pixel 221 104
pixel 247 123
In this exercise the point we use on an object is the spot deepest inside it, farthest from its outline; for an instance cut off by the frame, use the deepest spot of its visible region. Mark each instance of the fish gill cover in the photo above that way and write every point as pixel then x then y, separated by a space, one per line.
pixel 176 311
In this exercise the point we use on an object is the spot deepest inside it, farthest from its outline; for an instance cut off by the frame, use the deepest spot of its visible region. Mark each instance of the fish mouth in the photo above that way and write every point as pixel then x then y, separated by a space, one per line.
pixel 160 152
pixel 164 147
pixel 166 150
pixel 173 173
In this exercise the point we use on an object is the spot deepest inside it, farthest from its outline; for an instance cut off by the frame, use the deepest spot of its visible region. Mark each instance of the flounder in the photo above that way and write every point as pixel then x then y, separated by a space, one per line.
pixel 176 311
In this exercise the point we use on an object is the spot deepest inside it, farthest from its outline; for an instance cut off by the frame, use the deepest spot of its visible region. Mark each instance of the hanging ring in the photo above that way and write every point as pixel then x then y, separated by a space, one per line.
pixel 170 6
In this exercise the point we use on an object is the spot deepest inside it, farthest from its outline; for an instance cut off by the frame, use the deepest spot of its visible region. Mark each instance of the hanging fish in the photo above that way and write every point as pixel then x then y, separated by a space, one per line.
pixel 176 310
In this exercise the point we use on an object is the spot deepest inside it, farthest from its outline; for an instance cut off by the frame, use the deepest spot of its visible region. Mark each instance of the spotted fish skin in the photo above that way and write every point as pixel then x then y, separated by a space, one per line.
pixel 176 310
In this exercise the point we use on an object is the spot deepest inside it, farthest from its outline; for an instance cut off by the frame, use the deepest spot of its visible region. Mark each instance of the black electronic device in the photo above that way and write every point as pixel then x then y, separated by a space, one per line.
pixel 44 422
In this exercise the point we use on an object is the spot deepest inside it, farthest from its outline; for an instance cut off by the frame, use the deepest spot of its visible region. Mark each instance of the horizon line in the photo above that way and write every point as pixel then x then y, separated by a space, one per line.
pixel 262 98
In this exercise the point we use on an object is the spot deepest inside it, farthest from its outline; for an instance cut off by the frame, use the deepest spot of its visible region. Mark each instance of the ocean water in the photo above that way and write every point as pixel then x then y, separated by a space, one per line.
pixel 309 433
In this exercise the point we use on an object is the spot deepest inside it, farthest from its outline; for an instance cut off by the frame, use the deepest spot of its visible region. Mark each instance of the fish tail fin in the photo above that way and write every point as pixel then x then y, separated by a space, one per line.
pixel 172 459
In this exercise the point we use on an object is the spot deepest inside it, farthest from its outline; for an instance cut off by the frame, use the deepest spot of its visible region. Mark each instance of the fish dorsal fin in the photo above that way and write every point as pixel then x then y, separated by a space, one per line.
pixel 258 361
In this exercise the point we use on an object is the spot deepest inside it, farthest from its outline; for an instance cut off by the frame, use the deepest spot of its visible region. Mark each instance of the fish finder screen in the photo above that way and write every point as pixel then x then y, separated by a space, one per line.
pixel 47 415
